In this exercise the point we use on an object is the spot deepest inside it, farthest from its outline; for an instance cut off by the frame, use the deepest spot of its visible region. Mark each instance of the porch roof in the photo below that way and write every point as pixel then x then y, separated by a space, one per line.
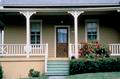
pixel 60 3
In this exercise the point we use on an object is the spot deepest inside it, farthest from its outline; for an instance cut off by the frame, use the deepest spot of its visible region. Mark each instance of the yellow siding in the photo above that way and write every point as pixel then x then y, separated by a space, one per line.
pixel 71 34
pixel 15 34
pixel 20 69
pixel 48 37
pixel 109 35
pixel 81 33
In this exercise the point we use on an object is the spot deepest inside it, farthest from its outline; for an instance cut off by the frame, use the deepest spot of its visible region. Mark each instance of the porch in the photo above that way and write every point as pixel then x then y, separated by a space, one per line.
pixel 17 41
pixel 21 42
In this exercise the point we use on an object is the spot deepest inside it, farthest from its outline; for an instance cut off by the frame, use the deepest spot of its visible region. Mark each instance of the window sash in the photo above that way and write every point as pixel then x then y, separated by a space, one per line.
pixel 62 36
pixel 35 32
pixel 92 30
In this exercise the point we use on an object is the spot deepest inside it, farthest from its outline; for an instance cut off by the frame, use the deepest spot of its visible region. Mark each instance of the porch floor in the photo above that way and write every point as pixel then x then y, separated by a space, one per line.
pixel 58 58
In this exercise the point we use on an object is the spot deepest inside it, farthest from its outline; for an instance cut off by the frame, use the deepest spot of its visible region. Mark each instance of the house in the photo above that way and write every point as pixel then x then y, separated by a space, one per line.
pixel 35 33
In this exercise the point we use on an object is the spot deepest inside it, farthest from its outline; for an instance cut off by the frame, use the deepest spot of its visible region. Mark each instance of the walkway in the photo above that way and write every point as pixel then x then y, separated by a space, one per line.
pixel 56 77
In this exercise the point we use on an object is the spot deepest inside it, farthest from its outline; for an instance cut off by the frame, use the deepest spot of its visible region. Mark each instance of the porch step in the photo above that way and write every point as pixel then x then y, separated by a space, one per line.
pixel 57 67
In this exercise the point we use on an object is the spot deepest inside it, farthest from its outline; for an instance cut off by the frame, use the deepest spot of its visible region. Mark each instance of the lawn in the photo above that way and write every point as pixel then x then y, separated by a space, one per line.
pixel 104 75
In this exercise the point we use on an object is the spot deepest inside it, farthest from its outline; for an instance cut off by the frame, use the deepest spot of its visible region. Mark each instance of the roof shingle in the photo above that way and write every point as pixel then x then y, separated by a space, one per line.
pixel 58 2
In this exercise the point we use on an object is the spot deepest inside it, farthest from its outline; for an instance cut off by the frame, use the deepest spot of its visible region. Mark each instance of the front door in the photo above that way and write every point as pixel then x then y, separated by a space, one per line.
pixel 62 42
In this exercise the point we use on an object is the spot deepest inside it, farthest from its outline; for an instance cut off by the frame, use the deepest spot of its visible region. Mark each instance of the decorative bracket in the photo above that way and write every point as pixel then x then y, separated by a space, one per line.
pixel 75 14
pixel 27 14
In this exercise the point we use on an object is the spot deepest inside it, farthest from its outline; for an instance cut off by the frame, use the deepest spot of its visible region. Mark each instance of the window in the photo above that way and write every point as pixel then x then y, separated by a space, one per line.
pixel 92 30
pixel 35 32
pixel 62 35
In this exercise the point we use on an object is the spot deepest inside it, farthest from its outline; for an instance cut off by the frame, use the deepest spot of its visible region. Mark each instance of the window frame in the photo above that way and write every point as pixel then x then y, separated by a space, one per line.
pixel 86 34
pixel 40 21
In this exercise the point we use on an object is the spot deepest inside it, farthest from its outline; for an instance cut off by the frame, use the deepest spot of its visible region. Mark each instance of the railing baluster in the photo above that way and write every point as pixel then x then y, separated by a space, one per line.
pixel 15 48
pixel 116 49
pixel 7 49
pixel 35 49
pixel 19 49
pixel 39 49
pixel 112 49
pixel 70 51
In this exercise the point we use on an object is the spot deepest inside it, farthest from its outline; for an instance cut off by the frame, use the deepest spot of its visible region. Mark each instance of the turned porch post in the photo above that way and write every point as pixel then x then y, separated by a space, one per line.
pixel 27 15
pixel 75 14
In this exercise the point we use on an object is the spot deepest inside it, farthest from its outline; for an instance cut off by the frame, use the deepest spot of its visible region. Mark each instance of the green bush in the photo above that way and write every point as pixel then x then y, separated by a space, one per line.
pixel 33 73
pixel 1 72
pixel 95 65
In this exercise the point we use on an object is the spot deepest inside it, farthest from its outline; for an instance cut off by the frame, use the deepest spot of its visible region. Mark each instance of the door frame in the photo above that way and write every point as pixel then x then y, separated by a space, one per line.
pixel 68 26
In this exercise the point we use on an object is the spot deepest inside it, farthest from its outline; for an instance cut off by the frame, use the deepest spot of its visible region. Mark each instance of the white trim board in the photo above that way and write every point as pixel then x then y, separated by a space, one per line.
pixel 68 26
pixel 58 9
pixel 2 36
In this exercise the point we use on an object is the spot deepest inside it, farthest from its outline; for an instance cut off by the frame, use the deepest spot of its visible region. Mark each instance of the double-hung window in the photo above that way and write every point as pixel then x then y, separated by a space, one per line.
pixel 92 30
pixel 36 28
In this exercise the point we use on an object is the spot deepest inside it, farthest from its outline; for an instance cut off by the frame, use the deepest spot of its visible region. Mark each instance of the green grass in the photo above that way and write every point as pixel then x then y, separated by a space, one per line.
pixel 102 75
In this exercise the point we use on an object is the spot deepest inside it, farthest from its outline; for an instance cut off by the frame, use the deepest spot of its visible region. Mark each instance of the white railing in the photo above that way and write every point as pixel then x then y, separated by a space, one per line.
pixel 115 49
pixel 18 50
pixel 38 49
pixel 12 50
pixel 72 49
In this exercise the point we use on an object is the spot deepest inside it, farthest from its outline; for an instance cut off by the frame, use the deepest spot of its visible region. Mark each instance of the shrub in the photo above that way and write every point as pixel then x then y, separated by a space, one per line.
pixel 95 65
pixel 1 72
pixel 92 50
pixel 33 73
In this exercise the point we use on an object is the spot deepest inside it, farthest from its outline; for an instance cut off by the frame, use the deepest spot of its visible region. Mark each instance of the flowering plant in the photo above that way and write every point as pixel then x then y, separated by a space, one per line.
pixel 94 49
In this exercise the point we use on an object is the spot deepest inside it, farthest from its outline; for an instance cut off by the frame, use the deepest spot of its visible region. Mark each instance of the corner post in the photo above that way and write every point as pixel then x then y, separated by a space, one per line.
pixel 2 41
pixel 27 15
pixel 46 57
pixel 76 14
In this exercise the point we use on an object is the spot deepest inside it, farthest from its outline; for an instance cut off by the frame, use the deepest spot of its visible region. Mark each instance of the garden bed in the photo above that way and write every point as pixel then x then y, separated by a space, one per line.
pixel 78 66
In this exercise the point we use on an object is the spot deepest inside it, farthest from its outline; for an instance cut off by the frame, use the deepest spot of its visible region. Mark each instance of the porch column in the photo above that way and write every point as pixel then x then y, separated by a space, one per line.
pixel 27 15
pixel 75 14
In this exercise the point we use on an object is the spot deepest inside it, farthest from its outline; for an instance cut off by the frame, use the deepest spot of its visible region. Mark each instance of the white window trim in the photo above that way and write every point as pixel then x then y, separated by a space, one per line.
pixel 98 33
pixel 68 26
pixel 2 36
pixel 40 29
